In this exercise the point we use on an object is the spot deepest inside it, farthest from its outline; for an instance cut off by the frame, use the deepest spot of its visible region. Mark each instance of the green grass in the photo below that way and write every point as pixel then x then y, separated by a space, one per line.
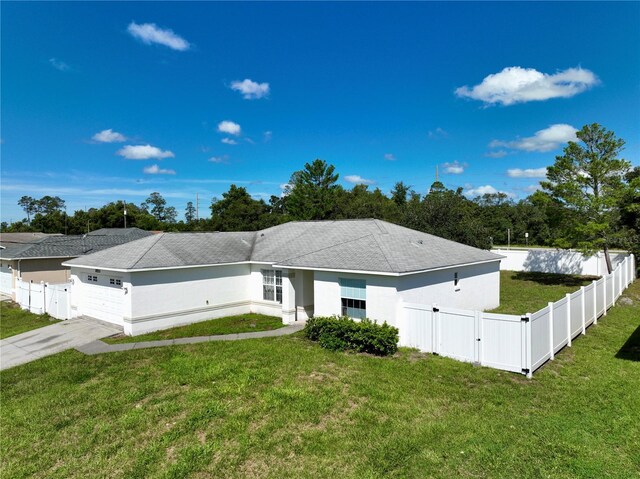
pixel 245 323
pixel 522 292
pixel 14 320
pixel 284 407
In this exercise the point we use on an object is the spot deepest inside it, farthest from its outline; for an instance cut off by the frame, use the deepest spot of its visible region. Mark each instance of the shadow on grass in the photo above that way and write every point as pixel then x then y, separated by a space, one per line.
pixel 631 349
pixel 552 279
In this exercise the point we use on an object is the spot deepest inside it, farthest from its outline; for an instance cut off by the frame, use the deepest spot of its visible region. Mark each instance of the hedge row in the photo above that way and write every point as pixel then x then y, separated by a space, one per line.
pixel 341 333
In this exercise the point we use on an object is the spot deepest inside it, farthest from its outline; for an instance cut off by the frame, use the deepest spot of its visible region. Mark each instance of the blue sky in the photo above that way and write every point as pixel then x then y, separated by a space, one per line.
pixel 110 101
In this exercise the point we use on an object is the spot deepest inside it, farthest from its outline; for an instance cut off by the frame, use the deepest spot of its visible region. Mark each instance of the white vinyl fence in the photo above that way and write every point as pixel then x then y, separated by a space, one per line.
pixel 41 298
pixel 512 343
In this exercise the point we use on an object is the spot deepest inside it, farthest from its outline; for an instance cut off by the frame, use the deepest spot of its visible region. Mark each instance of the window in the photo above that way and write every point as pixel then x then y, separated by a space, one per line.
pixel 90 277
pixel 272 285
pixel 353 295
pixel 117 282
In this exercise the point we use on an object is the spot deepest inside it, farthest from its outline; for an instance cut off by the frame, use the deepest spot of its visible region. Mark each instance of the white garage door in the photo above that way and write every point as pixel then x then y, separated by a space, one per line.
pixel 102 297
pixel 6 282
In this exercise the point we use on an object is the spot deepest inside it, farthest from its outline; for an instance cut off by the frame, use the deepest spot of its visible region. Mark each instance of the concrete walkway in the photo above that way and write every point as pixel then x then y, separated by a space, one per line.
pixel 99 347
pixel 38 343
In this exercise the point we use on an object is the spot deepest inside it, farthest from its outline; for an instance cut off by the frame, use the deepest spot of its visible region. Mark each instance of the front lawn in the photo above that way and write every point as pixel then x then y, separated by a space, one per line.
pixel 284 407
pixel 245 323
pixel 14 320
pixel 522 292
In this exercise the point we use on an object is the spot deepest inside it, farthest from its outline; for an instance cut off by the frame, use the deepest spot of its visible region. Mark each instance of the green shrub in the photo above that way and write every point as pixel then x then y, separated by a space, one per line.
pixel 341 333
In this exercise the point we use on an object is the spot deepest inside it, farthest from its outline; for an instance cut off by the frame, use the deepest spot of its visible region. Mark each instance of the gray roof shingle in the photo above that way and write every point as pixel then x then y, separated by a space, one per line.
pixel 356 245
pixel 72 246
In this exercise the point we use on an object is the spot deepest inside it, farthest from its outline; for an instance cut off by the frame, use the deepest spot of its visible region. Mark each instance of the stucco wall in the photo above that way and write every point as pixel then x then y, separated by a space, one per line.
pixel 161 299
pixel 478 287
pixel 49 270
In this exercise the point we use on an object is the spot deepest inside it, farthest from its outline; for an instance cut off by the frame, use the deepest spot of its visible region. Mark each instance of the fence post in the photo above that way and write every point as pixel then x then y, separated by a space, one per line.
pixel 552 354
pixel 595 302
pixel 436 323
pixel 582 303
pixel 568 319
pixel 604 285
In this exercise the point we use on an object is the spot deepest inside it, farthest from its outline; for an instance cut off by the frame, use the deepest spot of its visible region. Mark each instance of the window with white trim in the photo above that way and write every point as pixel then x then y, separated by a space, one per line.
pixel 353 296
pixel 93 278
pixel 272 285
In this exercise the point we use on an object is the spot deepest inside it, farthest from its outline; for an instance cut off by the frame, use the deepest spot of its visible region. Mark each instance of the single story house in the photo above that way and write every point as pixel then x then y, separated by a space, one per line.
pixel 41 259
pixel 359 268
pixel 12 239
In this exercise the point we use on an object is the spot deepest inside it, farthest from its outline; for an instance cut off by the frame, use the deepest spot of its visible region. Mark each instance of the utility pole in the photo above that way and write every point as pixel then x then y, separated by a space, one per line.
pixel 125 213
pixel 197 205
pixel 508 238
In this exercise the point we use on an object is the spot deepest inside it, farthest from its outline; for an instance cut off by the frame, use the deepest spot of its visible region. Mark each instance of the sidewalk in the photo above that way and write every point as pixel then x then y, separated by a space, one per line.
pixel 99 347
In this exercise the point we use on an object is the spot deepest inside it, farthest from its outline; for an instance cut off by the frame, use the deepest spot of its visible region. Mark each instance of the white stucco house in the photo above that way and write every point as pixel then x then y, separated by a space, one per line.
pixel 360 268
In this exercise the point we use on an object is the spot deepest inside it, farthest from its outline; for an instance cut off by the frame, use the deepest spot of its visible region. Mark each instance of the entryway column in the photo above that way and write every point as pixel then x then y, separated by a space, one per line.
pixel 288 297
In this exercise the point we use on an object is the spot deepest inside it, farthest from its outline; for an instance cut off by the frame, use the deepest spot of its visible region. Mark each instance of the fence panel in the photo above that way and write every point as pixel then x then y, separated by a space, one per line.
pixel 417 327
pixel 23 289
pixel 541 328
pixel 576 313
pixel 457 334
pixel 501 342
pixel 610 290
pixel 589 306
pixel 600 290
pixel 560 312
pixel 36 304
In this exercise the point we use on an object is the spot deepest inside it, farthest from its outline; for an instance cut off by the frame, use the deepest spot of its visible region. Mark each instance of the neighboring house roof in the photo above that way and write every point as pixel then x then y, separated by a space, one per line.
pixel 72 246
pixel 11 239
pixel 354 245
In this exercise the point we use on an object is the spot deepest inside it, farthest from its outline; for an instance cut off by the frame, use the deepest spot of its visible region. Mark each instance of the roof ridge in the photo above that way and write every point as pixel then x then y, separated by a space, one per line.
pixel 326 247
pixel 156 238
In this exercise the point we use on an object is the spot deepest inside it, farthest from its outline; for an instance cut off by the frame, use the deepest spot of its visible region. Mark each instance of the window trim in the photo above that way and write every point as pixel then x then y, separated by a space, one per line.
pixel 354 302
pixel 270 279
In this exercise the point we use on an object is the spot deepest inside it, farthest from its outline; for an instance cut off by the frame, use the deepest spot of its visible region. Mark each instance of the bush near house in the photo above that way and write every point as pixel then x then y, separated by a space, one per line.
pixel 342 333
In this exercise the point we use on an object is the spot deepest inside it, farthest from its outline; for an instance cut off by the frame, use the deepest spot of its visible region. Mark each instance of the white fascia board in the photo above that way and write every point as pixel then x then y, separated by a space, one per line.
pixel 385 273
pixel 163 268
pixel 41 257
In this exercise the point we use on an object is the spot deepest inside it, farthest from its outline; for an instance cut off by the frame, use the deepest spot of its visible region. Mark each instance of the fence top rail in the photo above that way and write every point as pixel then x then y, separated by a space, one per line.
pixel 560 302
pixel 420 307
pixel 575 294
pixel 540 313
pixel 461 312
pixel 589 288
pixel 501 317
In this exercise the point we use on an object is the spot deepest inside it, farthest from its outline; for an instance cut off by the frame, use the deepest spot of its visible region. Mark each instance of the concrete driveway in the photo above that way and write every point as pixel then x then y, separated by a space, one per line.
pixel 32 345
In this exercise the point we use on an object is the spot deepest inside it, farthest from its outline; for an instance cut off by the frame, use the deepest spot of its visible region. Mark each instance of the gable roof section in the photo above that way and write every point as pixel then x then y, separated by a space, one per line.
pixel 72 246
pixel 353 245
pixel 172 250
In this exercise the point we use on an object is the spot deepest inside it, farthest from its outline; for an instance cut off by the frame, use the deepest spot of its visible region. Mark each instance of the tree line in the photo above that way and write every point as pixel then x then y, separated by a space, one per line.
pixel 590 200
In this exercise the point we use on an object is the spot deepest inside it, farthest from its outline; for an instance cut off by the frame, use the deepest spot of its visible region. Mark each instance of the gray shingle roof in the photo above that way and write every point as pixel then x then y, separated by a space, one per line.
pixel 72 246
pixel 10 239
pixel 359 245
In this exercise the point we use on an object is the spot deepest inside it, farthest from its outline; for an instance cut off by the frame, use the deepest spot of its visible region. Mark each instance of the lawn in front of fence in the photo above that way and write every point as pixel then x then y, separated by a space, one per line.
pixel 244 323
pixel 526 292
pixel 284 407
pixel 14 320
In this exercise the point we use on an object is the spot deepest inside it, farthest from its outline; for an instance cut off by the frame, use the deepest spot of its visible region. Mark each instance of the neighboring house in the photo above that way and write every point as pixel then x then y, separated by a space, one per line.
pixel 41 260
pixel 359 268
pixel 12 239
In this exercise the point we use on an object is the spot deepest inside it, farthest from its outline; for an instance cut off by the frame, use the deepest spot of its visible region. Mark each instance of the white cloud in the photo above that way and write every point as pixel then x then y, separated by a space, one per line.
pixel 156 170
pixel 549 139
pixel 390 157
pixel 518 85
pixel 59 65
pixel 454 168
pixel 533 188
pixel 251 90
pixel 357 179
pixel 267 136
pixel 149 33
pixel 219 159
pixel 229 127
pixel 229 141
pixel 437 133
pixel 109 136
pixel 143 152
pixel 496 154
pixel 527 173
pixel 485 190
